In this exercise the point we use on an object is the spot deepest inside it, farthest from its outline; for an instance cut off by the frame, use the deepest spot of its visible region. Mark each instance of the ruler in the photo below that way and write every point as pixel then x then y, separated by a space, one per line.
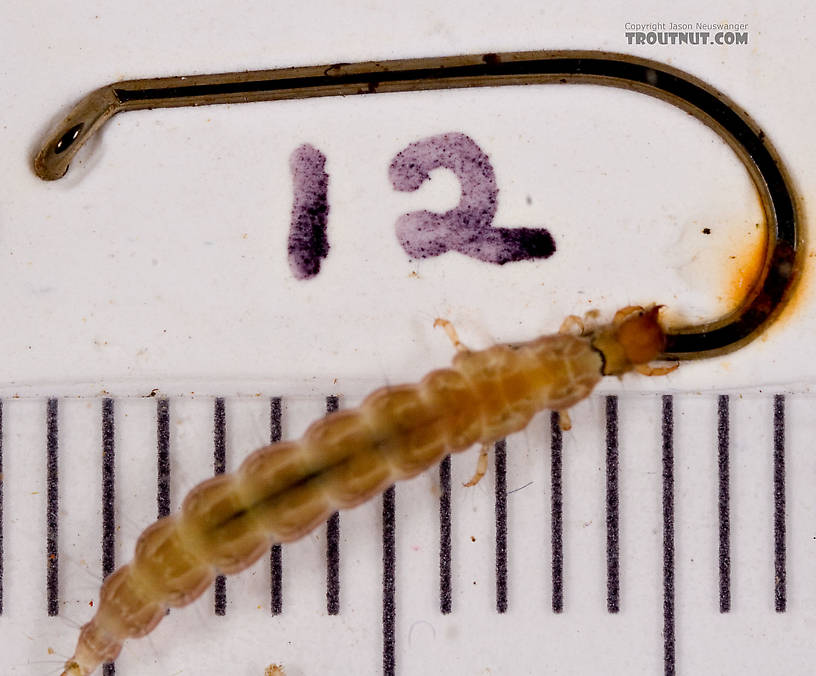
pixel 665 533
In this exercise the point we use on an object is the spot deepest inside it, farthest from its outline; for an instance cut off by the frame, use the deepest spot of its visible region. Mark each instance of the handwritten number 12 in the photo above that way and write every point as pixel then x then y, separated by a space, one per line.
pixel 467 228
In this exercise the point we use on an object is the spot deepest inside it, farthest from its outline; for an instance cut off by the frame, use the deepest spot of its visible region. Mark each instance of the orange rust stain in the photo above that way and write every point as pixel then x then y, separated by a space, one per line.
pixel 799 296
pixel 745 266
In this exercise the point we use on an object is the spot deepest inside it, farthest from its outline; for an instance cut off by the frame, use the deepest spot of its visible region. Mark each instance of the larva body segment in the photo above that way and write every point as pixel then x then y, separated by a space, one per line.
pixel 283 491
pixel 164 556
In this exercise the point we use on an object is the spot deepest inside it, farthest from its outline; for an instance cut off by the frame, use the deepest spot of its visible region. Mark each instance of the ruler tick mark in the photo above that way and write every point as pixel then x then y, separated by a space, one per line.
pixel 780 553
pixel 108 488
pixel 163 457
pixel 219 467
pixel 668 536
pixel 108 500
pixel 724 501
pixel 276 551
pixel 445 535
pixel 333 542
pixel 501 525
pixel 557 525
pixel 52 509
pixel 389 613
pixel 612 508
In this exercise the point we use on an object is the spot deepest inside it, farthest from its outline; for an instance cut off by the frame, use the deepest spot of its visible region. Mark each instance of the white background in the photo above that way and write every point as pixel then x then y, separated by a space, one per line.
pixel 161 257
pixel 159 261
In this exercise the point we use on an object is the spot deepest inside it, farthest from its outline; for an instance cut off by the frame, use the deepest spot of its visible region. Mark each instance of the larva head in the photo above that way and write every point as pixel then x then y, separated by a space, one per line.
pixel 633 339
pixel 72 669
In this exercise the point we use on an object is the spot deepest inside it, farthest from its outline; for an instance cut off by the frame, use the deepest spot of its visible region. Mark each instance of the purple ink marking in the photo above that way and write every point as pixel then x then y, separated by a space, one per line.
pixel 467 228
pixel 308 243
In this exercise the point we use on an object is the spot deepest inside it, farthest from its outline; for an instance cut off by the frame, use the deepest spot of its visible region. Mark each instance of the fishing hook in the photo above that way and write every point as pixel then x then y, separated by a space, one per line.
pixel 784 239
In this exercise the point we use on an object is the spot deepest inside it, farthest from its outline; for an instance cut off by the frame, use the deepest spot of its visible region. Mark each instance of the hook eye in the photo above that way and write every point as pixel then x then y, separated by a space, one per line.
pixel 784 239
pixel 65 141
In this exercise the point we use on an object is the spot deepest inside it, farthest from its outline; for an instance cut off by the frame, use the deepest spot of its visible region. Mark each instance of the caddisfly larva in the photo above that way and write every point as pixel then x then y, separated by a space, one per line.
pixel 283 491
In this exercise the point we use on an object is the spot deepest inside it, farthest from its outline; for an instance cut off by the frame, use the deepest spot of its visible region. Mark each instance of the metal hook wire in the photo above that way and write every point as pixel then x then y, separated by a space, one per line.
pixel 784 239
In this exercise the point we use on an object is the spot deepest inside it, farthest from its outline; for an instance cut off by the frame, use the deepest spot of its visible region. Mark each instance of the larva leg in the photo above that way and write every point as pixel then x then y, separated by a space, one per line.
pixel 572 325
pixel 564 421
pixel 646 370
pixel 624 313
pixel 451 331
pixel 591 316
pixel 481 466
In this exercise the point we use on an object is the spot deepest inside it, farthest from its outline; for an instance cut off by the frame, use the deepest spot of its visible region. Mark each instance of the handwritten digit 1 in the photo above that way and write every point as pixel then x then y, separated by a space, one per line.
pixel 308 242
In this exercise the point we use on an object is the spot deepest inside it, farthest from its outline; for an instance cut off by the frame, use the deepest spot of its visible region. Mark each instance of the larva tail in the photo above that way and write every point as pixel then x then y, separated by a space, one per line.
pixel 125 610
pixel 225 525
pixel 278 494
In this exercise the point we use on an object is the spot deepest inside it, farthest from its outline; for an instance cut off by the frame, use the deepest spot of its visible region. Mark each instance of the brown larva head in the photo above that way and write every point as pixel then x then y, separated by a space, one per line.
pixel 634 338
pixel 642 337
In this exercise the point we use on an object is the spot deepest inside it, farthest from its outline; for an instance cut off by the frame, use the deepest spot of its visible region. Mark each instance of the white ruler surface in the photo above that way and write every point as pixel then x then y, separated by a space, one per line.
pixel 664 533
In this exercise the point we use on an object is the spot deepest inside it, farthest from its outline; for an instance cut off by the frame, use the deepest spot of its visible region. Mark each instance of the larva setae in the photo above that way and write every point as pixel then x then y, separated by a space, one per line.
pixel 283 491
